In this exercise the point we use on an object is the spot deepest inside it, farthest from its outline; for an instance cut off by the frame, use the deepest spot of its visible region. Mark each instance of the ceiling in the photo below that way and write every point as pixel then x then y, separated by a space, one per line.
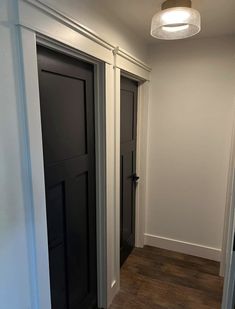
pixel 218 16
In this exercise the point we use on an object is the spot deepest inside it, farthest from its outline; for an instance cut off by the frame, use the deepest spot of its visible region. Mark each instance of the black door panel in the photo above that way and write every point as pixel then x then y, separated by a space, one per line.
pixel 129 90
pixel 67 115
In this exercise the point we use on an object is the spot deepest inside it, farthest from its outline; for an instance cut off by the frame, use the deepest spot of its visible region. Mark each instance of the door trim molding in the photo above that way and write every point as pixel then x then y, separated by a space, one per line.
pixel 36 188
pixel 141 161
pixel 228 206
pixel 229 224
pixel 71 23
pixel 113 226
pixel 141 154
pixel 84 31
pixel 33 130
pixel 124 54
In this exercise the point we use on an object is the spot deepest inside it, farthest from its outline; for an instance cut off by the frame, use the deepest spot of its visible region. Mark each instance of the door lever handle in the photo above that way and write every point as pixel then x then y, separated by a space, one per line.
pixel 135 178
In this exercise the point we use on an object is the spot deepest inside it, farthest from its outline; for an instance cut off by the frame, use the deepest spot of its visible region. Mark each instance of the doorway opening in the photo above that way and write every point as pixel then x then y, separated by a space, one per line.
pixel 146 271
pixel 128 176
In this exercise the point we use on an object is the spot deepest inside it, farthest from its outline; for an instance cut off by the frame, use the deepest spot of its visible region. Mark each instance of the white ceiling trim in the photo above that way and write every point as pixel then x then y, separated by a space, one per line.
pixel 86 32
pixel 72 23
pixel 122 53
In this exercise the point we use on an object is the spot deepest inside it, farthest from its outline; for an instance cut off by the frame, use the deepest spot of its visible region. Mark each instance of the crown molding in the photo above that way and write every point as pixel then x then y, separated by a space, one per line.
pixel 71 23
pixel 122 53
pixel 86 32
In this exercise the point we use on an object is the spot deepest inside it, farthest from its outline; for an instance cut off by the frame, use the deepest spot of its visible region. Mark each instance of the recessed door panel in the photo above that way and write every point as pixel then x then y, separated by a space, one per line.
pixel 78 270
pixel 128 192
pixel 55 214
pixel 58 277
pixel 127 116
pixel 63 117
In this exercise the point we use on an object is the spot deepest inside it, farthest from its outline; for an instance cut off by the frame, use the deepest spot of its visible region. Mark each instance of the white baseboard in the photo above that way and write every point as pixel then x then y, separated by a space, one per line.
pixel 183 247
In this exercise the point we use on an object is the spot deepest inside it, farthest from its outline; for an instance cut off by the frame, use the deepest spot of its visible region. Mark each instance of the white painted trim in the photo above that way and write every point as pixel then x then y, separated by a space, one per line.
pixel 28 41
pixel 229 226
pixel 183 247
pixel 141 152
pixel 112 218
pixel 117 124
pixel 57 45
pixel 228 289
pixel 61 29
pixel 35 154
pixel 101 207
pixel 71 23
pixel 124 54
pixel 140 165
pixel 231 297
pixel 228 221
pixel 141 162
pixel 125 60
pixel 133 70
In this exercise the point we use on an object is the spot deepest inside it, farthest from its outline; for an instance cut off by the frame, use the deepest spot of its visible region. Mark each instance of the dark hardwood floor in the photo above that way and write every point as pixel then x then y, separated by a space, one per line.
pixel 157 278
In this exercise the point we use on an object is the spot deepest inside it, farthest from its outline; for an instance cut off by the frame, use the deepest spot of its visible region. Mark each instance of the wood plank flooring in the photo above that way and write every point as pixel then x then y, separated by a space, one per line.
pixel 157 278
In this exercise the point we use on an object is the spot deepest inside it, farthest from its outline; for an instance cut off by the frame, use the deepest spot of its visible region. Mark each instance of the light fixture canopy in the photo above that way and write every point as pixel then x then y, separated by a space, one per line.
pixel 176 20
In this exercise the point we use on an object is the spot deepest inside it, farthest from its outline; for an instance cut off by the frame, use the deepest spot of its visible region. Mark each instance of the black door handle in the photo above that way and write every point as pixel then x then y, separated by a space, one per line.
pixel 135 178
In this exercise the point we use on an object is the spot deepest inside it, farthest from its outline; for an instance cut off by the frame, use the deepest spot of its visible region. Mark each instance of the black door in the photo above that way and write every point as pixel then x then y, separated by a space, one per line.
pixel 67 115
pixel 128 166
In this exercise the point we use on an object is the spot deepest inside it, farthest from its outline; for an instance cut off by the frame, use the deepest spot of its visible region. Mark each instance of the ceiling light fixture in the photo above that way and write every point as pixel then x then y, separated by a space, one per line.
pixel 176 20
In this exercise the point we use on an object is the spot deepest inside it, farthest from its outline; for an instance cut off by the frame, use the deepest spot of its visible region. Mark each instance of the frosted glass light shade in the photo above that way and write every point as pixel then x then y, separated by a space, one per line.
pixel 176 23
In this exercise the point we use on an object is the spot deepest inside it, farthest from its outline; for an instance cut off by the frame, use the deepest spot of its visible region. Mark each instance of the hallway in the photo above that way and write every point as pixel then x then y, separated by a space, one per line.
pixel 117 134
pixel 158 278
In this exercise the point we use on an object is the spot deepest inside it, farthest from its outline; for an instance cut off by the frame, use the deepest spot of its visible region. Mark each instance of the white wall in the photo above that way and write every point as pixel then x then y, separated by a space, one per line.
pixel 192 95
pixel 96 17
pixel 14 263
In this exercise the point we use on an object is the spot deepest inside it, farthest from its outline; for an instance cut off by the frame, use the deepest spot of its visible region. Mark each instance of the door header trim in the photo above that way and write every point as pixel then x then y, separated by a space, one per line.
pixel 71 23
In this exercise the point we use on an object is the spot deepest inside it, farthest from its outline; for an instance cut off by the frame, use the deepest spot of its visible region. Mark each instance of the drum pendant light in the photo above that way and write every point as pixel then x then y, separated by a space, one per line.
pixel 176 20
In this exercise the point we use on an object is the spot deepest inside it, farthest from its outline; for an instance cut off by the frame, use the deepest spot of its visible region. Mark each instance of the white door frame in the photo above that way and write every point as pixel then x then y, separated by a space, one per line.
pixel 134 69
pixel 229 225
pixel 138 74
pixel 126 65
pixel 100 156
pixel 141 161
pixel 228 222
pixel 141 153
